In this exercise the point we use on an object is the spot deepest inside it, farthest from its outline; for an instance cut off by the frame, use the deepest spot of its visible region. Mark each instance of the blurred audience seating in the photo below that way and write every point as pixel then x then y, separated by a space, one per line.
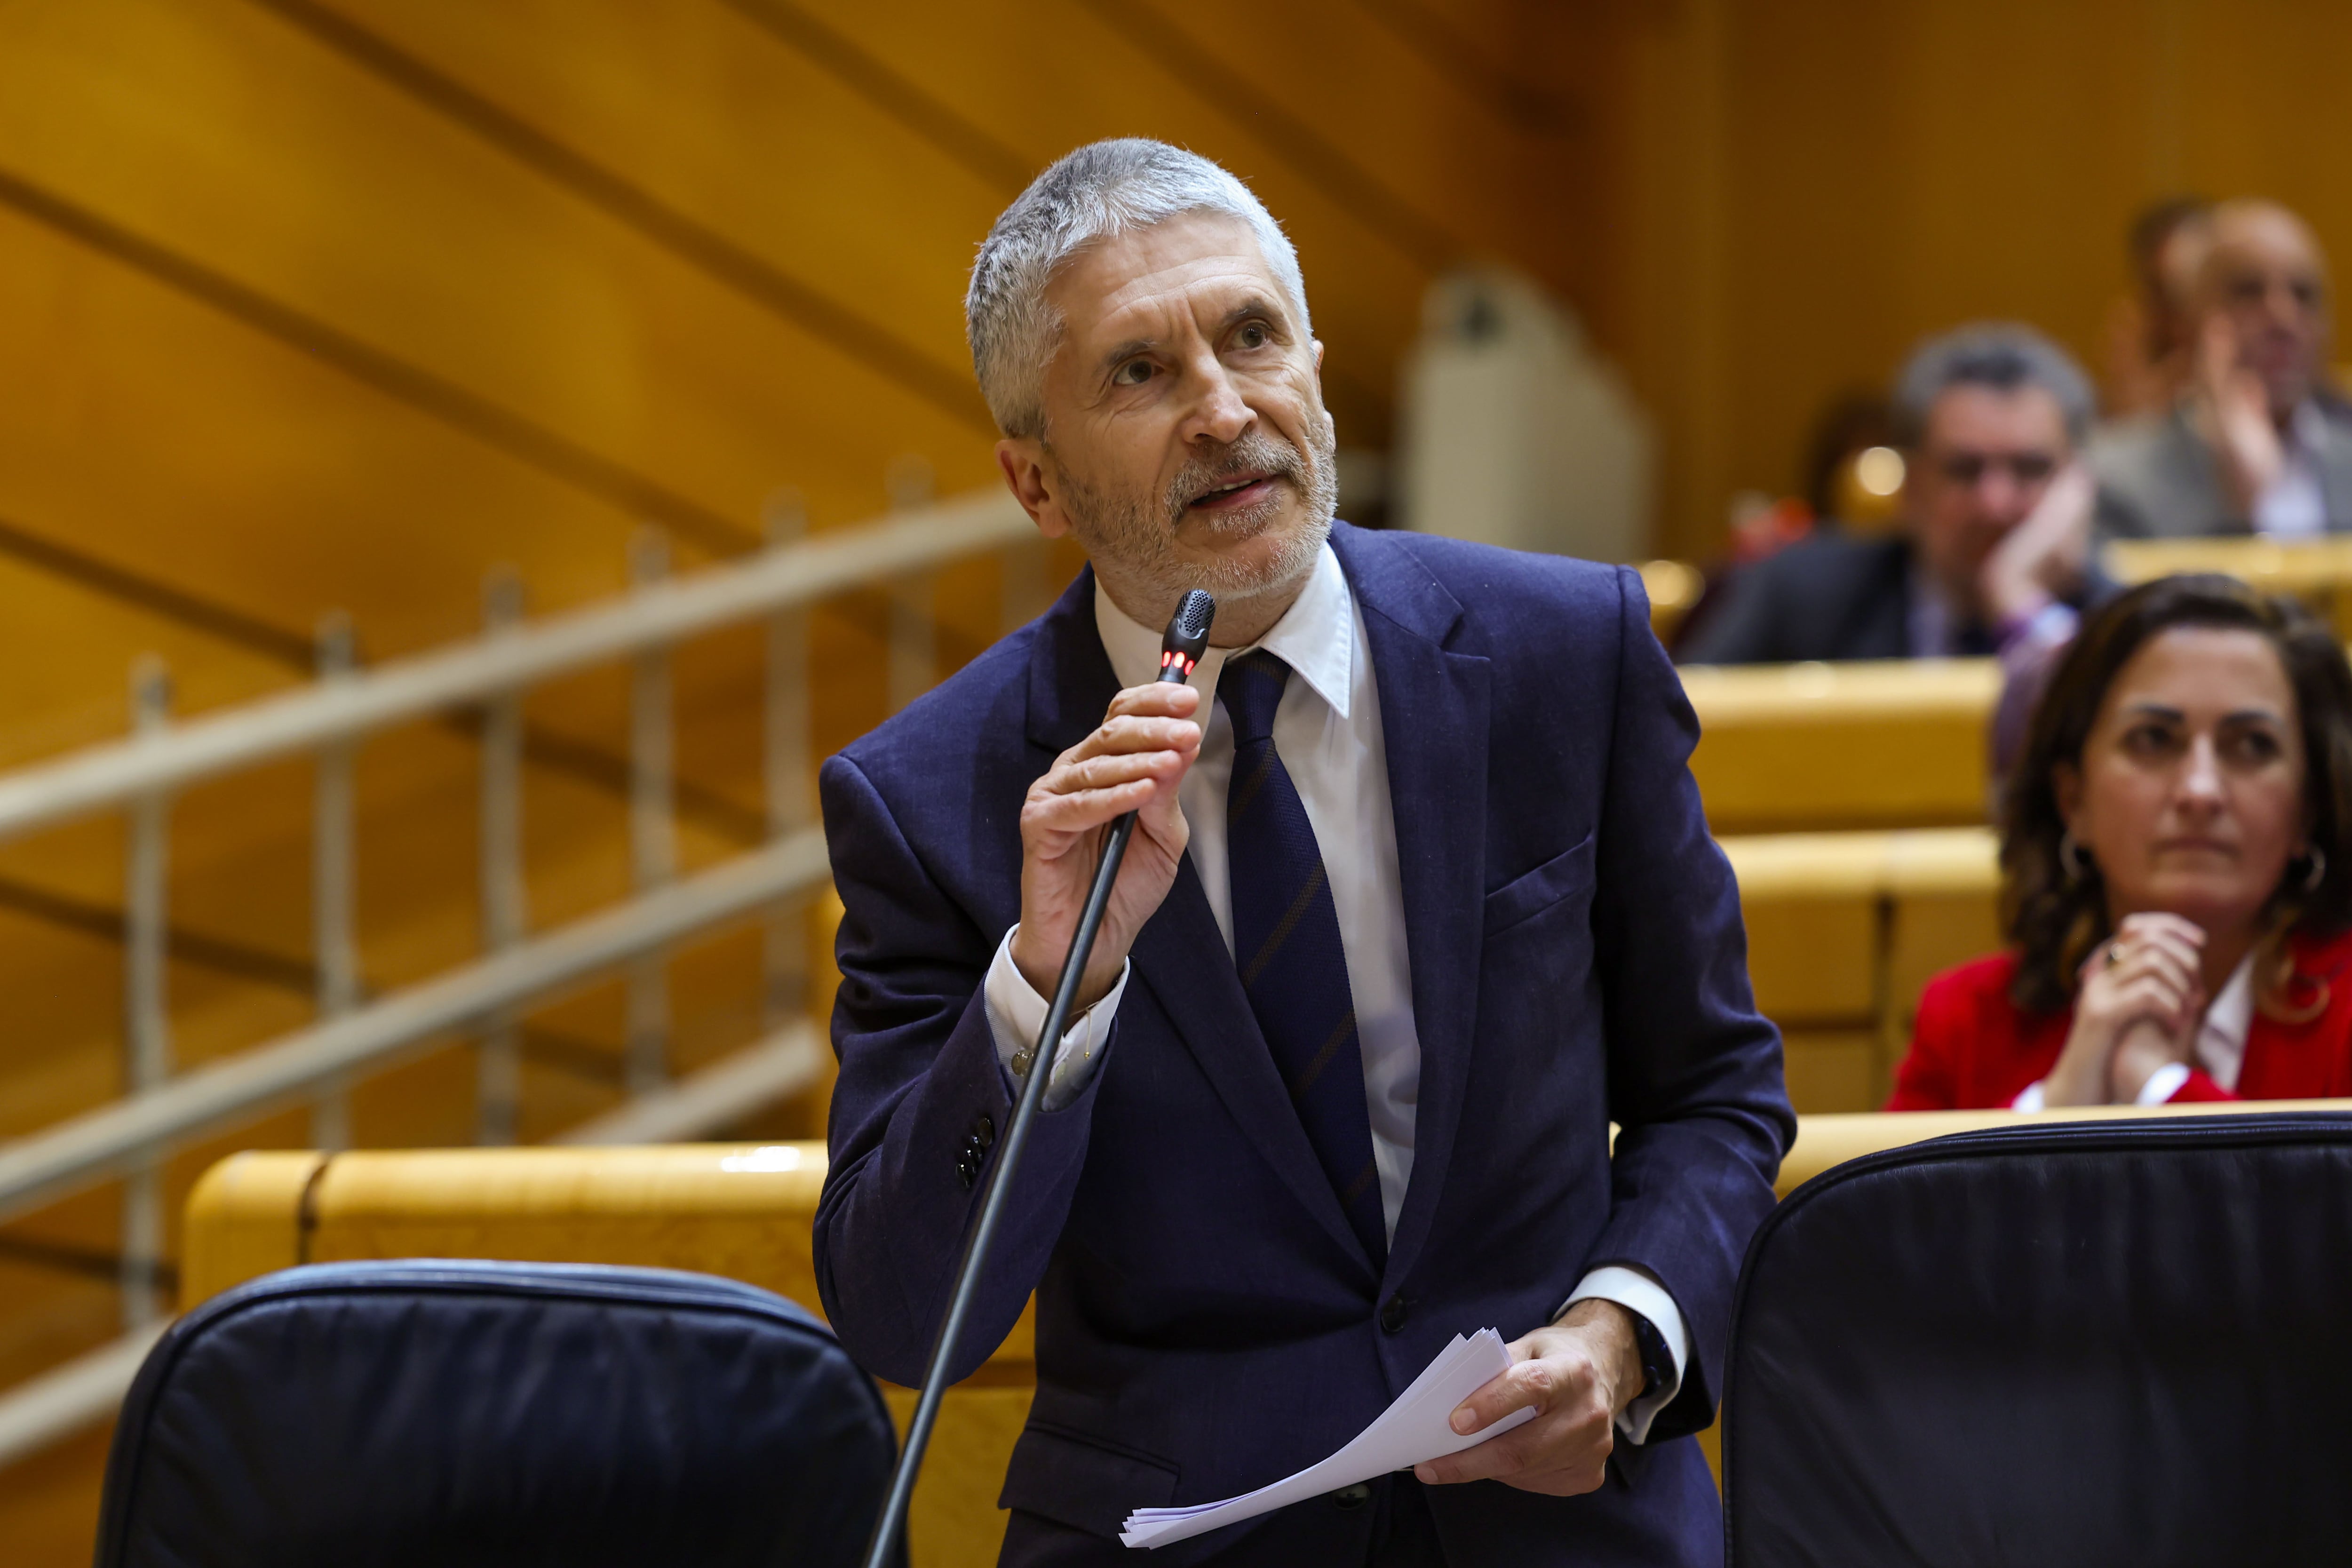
pixel 1895 743
pixel 2318 572
pixel 1843 929
pixel 743 1211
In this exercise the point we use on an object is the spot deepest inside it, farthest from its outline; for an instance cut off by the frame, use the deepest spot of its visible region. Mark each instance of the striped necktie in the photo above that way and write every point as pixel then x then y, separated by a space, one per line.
pixel 1286 943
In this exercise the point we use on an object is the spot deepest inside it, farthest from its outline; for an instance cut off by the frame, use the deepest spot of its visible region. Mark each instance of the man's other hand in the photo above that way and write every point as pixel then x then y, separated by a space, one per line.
pixel 2232 410
pixel 1577 1375
pixel 1132 762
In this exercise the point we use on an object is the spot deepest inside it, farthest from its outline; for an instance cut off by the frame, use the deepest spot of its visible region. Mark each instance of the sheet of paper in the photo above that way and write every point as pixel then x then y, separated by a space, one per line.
pixel 1413 1428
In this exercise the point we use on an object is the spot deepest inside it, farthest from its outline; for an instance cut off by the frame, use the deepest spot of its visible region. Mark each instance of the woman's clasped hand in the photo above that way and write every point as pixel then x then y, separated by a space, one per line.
pixel 2137 1009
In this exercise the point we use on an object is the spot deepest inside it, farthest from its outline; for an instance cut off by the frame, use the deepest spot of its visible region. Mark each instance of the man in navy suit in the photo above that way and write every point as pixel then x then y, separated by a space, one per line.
pixel 1421 900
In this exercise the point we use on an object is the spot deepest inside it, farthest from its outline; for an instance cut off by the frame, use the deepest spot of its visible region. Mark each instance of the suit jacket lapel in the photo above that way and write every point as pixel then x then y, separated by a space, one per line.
pixel 1180 955
pixel 2336 468
pixel 1434 719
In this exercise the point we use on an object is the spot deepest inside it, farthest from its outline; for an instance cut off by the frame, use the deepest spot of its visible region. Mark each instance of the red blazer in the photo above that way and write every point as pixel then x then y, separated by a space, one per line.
pixel 1973 1048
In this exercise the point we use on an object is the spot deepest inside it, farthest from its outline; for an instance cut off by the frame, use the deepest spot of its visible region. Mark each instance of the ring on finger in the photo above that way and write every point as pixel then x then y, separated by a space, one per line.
pixel 2112 956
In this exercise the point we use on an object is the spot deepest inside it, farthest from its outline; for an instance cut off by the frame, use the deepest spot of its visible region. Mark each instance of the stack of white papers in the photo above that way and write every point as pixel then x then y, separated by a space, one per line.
pixel 1413 1429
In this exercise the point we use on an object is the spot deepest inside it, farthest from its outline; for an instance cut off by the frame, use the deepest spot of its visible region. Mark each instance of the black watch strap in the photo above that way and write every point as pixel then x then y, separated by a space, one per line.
pixel 1657 1357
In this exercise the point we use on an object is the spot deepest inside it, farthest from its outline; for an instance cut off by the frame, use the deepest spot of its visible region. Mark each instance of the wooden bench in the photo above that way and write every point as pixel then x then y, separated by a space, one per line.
pixel 1845 929
pixel 744 1211
pixel 2316 571
pixel 1892 743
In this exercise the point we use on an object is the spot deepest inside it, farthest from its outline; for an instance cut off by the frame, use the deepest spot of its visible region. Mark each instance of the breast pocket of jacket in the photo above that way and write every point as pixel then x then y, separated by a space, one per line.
pixel 1560 885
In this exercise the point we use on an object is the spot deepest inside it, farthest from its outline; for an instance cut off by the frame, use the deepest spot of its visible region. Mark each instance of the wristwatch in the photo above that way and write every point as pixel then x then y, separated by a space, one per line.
pixel 1657 1357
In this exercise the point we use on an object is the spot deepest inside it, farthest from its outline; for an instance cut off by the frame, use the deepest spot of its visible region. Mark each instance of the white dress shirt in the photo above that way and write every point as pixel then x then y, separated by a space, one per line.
pixel 1327 733
pixel 2221 1047
pixel 2294 505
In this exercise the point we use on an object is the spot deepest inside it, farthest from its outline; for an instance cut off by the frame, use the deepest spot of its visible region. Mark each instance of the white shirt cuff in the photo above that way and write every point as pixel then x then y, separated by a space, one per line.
pixel 2162 1086
pixel 1016 1015
pixel 1638 1290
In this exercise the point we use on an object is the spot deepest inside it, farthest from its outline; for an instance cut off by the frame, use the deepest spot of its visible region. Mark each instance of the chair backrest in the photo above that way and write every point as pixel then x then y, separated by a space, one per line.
pixel 460 1412
pixel 2078 1343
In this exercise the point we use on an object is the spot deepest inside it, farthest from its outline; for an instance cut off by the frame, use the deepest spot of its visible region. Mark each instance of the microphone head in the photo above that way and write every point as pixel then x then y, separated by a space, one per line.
pixel 1188 629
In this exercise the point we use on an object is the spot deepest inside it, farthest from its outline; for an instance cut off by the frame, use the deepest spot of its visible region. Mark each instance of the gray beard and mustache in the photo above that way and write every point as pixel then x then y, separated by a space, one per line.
pixel 1136 534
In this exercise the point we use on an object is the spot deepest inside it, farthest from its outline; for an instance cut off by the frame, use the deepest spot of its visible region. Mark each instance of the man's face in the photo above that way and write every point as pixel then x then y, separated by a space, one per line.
pixel 1986 458
pixel 2264 274
pixel 1186 444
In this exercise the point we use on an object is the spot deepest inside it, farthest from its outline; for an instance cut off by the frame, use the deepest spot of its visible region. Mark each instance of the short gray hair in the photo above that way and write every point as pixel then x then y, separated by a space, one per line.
pixel 2002 355
pixel 1103 189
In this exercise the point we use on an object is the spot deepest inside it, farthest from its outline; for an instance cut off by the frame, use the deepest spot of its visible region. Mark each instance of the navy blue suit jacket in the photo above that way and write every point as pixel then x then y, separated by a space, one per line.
pixel 1207 1320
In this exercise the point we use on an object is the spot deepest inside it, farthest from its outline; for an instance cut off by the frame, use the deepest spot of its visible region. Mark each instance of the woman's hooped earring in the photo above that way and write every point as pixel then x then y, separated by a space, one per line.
pixel 2070 858
pixel 2318 872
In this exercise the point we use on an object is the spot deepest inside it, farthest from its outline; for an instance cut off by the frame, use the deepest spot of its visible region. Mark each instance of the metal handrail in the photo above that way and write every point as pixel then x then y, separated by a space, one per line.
pixel 43 1166
pixel 325 721
pixel 402 689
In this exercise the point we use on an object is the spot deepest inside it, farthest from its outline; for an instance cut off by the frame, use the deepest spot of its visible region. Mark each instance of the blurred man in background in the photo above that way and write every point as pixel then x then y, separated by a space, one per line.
pixel 1997 516
pixel 2256 442
pixel 2151 334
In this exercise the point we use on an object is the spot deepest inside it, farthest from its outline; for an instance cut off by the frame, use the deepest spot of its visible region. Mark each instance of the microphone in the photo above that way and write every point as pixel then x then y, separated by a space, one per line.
pixel 1180 650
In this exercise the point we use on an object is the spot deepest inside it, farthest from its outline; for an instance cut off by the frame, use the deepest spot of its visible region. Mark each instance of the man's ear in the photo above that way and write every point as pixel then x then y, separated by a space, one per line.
pixel 1330 422
pixel 1023 459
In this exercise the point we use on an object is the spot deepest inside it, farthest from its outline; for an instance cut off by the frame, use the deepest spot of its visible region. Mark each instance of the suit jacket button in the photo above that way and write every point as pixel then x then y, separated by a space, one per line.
pixel 967 1171
pixel 1353 1496
pixel 983 1130
pixel 1392 1312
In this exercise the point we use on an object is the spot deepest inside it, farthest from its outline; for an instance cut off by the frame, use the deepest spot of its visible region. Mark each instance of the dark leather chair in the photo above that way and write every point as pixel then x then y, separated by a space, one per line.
pixel 2123 1342
pixel 440 1413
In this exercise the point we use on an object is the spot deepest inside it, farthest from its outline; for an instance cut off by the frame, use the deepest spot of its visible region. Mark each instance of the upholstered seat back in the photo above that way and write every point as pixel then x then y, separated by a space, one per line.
pixel 454 1413
pixel 2082 1343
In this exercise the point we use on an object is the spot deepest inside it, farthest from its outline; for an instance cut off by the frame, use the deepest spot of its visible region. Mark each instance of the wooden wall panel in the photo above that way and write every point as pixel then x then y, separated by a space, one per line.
pixel 400 228
pixel 716 118
pixel 1085 78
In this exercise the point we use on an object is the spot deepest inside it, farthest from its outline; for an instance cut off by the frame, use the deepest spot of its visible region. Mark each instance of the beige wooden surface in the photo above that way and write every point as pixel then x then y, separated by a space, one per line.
pixel 1845 930
pixel 744 1211
pixel 2316 571
pixel 1788 747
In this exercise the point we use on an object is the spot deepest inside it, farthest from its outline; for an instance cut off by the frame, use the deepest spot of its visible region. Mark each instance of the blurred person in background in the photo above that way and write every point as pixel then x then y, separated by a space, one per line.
pixel 2256 442
pixel 1996 520
pixel 2151 332
pixel 2177 866
pixel 1853 480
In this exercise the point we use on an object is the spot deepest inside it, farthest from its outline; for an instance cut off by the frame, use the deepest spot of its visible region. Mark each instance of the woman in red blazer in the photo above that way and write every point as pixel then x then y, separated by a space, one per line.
pixel 2177 864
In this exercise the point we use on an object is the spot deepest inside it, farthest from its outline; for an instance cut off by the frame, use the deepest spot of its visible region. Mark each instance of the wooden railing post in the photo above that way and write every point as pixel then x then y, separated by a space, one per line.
pixel 334 872
pixel 653 834
pixel 791 800
pixel 504 896
pixel 147 1024
pixel 914 658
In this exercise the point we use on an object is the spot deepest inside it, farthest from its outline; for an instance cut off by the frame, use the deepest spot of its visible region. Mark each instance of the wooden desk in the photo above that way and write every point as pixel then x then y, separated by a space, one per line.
pixel 2316 571
pixel 1673 587
pixel 1892 744
pixel 1843 931
pixel 744 1211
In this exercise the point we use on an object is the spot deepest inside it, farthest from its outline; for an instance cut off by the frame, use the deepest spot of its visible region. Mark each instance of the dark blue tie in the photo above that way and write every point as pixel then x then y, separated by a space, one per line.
pixel 1286 943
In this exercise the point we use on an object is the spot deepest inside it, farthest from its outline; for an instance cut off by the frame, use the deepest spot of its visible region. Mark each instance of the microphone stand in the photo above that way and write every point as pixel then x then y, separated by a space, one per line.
pixel 1181 649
